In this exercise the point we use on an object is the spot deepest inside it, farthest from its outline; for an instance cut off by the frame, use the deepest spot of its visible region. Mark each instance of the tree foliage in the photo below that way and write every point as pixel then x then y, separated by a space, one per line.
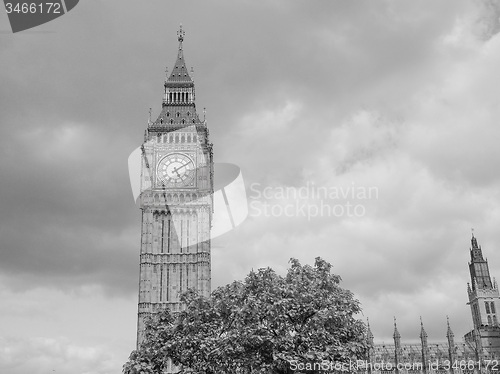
pixel 259 325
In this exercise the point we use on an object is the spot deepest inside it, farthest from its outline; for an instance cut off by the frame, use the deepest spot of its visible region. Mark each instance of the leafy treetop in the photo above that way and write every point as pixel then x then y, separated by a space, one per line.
pixel 261 324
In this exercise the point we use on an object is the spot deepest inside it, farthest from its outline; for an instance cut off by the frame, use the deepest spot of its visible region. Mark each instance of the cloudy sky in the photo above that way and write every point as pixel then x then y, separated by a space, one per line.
pixel 400 97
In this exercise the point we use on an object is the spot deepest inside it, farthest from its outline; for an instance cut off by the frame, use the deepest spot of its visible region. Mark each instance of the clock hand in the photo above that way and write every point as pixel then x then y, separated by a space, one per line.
pixel 176 170
pixel 183 166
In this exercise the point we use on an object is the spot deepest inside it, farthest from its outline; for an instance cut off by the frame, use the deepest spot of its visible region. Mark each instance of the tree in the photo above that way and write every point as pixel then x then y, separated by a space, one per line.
pixel 264 324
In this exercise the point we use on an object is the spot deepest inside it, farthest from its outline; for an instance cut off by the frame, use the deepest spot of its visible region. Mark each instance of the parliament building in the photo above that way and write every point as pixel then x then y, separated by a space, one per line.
pixel 478 351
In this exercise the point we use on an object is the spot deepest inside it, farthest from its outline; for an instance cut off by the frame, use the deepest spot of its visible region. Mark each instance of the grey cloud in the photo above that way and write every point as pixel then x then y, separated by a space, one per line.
pixel 68 218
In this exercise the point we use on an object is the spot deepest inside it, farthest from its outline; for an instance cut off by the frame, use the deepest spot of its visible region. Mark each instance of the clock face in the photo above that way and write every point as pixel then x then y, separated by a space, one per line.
pixel 176 170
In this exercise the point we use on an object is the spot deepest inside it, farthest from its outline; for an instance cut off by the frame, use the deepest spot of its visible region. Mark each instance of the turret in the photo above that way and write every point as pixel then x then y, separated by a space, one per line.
pixel 397 345
pixel 425 346
pixel 451 341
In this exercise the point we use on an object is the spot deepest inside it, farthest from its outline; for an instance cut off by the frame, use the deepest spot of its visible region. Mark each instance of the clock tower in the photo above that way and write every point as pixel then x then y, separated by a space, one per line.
pixel 176 199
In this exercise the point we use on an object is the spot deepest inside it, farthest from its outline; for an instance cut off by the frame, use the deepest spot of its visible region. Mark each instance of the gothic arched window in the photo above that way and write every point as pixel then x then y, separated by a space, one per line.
pixel 492 307
pixel 487 305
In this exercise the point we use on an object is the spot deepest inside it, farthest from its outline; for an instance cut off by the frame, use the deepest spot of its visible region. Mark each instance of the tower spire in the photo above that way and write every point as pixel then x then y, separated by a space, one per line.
pixel 478 267
pixel 396 334
pixel 423 334
pixel 178 89
pixel 451 341
pixel 449 333
pixel 180 38
pixel 179 73
pixel 369 334
pixel 397 345
pixel 369 340
pixel 425 345
pixel 473 241
pixel 180 35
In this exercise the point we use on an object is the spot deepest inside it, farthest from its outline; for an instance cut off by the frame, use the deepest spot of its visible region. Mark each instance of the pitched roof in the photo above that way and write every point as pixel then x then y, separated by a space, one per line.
pixel 179 73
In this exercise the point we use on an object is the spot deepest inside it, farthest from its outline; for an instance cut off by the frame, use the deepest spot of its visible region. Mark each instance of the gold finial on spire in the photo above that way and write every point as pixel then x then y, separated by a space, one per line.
pixel 149 119
pixel 180 34
pixel 472 230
